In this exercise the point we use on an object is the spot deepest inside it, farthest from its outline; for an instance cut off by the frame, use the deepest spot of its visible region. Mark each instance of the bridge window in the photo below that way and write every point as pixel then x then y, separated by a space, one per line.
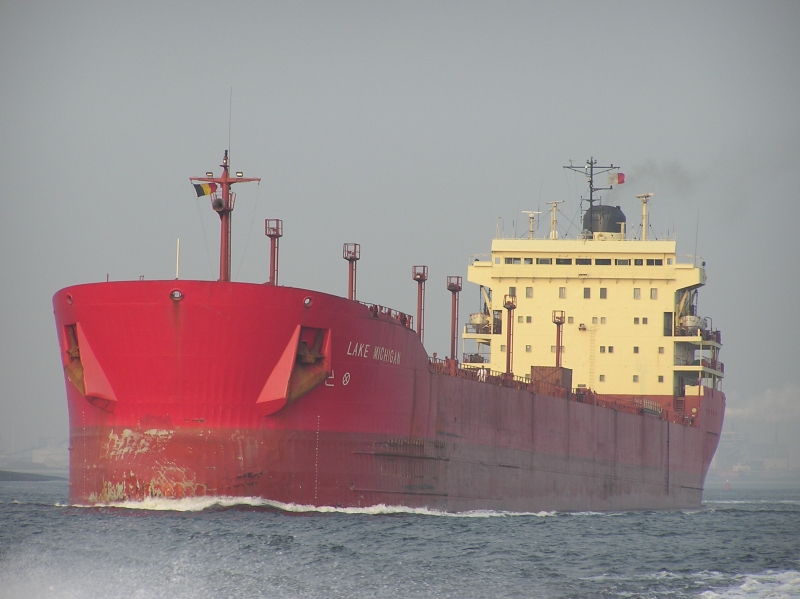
pixel 638 262
pixel 655 262
pixel 528 260
pixel 563 260
pixel 544 260
pixel 602 261
pixel 622 261
pixel 583 261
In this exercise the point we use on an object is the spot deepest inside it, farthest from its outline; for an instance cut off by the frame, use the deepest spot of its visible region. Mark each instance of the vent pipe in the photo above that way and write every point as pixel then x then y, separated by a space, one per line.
pixel 510 304
pixel 273 228
pixel 454 286
pixel 558 320
pixel 420 275
pixel 352 253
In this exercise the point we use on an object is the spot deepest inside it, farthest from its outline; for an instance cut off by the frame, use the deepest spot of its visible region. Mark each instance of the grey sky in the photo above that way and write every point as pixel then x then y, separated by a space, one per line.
pixel 407 127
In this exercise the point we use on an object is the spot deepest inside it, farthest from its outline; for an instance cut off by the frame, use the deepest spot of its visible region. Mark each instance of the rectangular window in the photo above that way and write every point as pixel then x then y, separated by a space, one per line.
pixel 667 324
pixel 637 293
pixel 635 320
pixel 562 293
pixel 611 349
pixel 644 320
pixel 519 319
pixel 544 260
pixel 602 349
pixel 527 319
pixel 527 348
pixel 512 291
pixel 563 260
pixel 602 261
pixel 517 261
pixel 502 348
pixel 587 293
pixel 594 319
pixel 660 378
pixel 528 260
pixel 497 260
pixel 583 261
pixel 654 293
pixel 529 292
pixel 655 262
pixel 638 262
pixel 509 261
pixel 570 320
pixel 636 349
pixel 622 261
pixel 635 378
pixel 528 377
pixel 552 349
pixel 661 350
pixel 603 293
pixel 669 260
pixel 602 378
pixel 602 320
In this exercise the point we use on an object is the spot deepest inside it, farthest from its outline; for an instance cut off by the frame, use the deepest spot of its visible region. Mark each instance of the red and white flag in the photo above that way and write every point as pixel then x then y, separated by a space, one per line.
pixel 616 178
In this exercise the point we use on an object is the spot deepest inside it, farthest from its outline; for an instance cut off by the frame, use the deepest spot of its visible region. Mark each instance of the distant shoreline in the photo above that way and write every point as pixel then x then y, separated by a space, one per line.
pixel 7 475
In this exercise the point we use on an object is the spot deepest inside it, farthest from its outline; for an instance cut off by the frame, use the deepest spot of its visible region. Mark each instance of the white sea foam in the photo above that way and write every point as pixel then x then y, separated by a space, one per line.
pixel 198 504
pixel 772 585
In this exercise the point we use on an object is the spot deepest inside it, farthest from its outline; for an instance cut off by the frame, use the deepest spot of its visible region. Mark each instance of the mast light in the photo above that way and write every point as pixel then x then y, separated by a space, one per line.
pixel 209 174
pixel 239 174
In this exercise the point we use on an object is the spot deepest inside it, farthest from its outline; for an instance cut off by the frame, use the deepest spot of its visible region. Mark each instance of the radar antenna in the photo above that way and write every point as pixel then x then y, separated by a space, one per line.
pixel 531 218
pixel 590 169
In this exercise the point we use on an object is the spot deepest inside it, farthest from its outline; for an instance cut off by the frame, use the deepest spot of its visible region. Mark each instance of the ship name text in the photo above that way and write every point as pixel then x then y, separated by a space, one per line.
pixel 383 354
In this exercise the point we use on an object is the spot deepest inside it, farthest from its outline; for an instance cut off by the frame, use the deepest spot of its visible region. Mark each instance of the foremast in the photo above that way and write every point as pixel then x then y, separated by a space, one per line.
pixel 222 201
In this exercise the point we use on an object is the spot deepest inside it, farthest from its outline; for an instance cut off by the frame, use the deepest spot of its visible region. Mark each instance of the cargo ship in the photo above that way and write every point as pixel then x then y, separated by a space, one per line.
pixel 587 380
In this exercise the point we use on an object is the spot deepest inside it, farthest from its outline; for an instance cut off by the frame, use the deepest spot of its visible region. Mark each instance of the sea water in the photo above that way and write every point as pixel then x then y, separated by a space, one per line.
pixel 739 543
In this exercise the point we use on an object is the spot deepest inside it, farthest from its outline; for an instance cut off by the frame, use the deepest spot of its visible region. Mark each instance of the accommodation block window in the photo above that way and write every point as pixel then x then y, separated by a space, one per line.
pixel 602 349
pixel 637 293
pixel 529 292
pixel 660 378
pixel 635 378
pixel 602 320
pixel 562 293
pixel 603 293
pixel 654 293
pixel 602 378
pixel 587 292
pixel 635 320
pixel 570 320
pixel 644 320
pixel 636 349
pixel 661 350
pixel 611 349
pixel 527 319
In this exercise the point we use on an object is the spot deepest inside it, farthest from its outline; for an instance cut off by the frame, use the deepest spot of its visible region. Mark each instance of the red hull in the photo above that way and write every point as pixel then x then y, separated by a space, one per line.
pixel 204 395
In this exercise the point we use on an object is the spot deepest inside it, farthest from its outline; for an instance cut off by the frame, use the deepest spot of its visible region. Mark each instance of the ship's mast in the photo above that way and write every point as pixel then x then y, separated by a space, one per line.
pixel 223 204
pixel 590 169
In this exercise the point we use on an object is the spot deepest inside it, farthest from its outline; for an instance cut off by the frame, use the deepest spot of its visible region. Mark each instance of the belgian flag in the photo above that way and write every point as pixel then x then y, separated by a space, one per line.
pixel 205 189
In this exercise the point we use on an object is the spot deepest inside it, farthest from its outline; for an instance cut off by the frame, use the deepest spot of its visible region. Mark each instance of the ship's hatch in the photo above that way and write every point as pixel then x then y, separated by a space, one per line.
pixel 84 371
pixel 304 365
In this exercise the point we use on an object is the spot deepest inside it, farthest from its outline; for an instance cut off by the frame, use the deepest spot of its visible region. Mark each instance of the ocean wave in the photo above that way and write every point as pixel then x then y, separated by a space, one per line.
pixel 199 504
pixel 774 585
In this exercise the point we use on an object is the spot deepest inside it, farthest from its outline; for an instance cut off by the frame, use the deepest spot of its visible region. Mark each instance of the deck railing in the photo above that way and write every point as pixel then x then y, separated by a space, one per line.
pixel 385 313
pixel 630 405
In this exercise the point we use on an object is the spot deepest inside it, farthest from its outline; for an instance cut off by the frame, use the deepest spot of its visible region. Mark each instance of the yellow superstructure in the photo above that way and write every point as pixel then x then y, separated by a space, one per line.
pixel 631 324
